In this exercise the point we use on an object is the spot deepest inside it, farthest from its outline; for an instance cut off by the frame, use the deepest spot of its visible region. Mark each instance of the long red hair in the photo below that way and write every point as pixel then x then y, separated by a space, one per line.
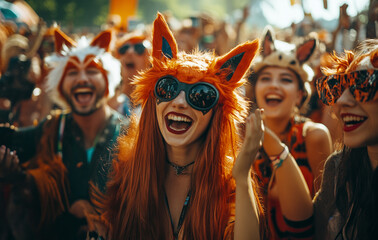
pixel 135 198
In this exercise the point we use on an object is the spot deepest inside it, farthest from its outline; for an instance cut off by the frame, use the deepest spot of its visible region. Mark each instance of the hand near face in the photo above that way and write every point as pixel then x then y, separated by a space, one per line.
pixel 254 135
pixel 9 163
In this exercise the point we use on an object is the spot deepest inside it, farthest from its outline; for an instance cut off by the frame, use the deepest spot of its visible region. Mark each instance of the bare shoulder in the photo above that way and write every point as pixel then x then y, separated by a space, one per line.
pixel 316 132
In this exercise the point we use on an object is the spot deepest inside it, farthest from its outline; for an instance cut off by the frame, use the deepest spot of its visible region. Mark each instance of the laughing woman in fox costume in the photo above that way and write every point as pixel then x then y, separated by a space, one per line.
pixel 177 175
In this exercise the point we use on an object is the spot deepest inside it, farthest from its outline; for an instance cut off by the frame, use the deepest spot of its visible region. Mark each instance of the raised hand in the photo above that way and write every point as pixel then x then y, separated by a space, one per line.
pixel 254 135
pixel 9 164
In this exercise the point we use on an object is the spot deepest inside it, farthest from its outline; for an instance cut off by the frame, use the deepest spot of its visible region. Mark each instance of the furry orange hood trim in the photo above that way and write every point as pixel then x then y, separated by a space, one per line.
pixel 225 72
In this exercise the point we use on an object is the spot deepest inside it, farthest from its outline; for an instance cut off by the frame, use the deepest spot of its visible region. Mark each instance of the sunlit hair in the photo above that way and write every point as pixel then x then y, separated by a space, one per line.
pixel 362 58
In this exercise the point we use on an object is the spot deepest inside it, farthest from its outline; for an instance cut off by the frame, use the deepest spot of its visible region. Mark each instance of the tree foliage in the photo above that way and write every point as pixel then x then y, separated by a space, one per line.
pixel 93 13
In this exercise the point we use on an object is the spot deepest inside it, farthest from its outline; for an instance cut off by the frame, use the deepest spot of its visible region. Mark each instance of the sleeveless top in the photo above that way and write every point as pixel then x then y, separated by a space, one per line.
pixel 279 226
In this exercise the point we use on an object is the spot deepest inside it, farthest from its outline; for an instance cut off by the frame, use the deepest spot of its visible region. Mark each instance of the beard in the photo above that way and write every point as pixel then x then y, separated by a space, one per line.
pixel 100 100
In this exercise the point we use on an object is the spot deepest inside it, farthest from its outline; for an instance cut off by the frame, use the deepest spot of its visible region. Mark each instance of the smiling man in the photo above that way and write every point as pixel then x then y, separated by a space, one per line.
pixel 133 51
pixel 69 151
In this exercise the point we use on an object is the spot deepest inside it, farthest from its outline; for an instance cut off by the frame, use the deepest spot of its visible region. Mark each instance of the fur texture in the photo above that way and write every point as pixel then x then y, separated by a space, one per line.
pixel 66 48
pixel 135 204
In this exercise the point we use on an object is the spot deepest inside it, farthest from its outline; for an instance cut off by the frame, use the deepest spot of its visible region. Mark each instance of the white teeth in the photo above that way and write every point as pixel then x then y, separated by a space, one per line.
pixel 353 119
pixel 178 118
pixel 273 96
pixel 80 90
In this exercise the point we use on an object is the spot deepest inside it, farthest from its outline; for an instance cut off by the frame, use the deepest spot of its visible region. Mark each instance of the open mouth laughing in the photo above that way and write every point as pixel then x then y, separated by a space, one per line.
pixel 130 65
pixel 273 99
pixel 352 121
pixel 83 95
pixel 178 123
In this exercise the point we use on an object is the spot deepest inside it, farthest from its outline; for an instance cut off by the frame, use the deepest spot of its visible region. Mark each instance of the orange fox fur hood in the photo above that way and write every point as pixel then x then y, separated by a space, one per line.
pixel 225 72
pixel 140 171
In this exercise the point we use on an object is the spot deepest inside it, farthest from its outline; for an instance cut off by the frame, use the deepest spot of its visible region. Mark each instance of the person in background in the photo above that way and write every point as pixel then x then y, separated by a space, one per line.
pixel 279 84
pixel 133 51
pixel 60 158
pixel 22 74
pixel 346 205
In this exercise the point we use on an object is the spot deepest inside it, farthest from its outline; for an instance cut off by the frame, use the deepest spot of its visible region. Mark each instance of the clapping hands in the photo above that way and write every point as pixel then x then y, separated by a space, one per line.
pixel 254 135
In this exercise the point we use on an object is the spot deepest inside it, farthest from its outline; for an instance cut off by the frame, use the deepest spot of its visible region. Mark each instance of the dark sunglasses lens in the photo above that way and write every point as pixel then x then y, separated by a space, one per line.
pixel 166 89
pixel 202 96
pixel 123 49
pixel 139 48
pixel 326 87
pixel 364 86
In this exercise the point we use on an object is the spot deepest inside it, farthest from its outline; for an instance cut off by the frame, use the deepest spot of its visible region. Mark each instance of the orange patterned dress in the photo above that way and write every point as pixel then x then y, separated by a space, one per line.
pixel 279 226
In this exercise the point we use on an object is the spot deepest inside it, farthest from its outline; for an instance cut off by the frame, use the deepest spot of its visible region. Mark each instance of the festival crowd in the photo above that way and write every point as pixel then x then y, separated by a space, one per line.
pixel 189 128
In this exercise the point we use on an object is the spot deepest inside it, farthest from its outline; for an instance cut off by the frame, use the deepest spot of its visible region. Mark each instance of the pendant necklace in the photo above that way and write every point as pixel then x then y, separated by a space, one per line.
pixel 179 169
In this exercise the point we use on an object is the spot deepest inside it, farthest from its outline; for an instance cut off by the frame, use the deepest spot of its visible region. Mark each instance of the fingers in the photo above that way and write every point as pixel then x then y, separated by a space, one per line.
pixel 255 120
pixel 9 162
pixel 258 118
pixel 8 159
pixel 2 153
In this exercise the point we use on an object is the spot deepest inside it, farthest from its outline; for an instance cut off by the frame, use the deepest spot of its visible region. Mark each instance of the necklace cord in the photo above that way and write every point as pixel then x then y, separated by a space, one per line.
pixel 179 169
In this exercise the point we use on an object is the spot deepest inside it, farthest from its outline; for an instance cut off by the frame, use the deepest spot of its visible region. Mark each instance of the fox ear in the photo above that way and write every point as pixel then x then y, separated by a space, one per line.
pixel 102 40
pixel 306 49
pixel 61 39
pixel 163 43
pixel 237 61
pixel 268 41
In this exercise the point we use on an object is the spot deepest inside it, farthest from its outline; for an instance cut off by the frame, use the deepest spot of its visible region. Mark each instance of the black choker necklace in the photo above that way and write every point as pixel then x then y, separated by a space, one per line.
pixel 179 169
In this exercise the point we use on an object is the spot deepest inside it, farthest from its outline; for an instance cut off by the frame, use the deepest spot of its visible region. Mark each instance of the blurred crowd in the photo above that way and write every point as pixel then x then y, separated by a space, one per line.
pixel 24 46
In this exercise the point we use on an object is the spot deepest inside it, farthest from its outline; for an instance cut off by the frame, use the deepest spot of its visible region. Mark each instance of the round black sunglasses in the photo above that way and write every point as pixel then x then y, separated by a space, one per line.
pixel 139 48
pixel 201 96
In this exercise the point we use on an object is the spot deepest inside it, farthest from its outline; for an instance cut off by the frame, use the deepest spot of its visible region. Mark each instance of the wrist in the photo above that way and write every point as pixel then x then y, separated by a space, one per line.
pixel 277 160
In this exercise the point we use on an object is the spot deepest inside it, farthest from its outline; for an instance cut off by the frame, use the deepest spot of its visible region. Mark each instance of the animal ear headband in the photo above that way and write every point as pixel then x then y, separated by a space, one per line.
pixel 66 49
pixel 173 72
pixel 224 72
pixel 62 41
pixel 237 61
pixel 287 55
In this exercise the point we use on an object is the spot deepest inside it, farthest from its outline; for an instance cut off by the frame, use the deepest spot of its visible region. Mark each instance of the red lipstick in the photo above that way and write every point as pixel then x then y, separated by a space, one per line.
pixel 177 123
pixel 352 121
